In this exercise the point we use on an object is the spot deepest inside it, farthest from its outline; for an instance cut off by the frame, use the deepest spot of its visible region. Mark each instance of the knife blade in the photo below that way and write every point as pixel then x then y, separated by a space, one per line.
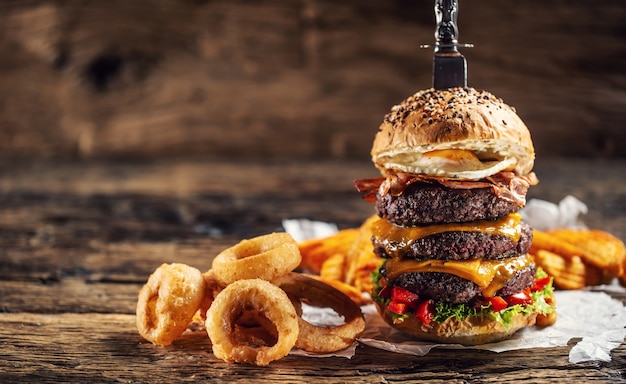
pixel 449 65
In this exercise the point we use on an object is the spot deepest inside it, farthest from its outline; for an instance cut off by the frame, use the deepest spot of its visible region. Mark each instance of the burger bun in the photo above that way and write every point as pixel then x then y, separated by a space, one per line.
pixel 457 133
pixel 471 331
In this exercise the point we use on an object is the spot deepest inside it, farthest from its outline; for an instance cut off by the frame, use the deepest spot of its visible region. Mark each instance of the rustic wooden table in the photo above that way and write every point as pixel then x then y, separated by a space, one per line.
pixel 77 241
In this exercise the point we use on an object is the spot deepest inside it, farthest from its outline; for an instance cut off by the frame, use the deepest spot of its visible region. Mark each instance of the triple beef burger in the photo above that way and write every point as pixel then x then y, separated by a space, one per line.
pixel 456 165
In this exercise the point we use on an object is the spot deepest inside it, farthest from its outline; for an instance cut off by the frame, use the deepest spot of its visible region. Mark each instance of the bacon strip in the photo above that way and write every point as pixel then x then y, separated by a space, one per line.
pixel 506 185
pixel 369 187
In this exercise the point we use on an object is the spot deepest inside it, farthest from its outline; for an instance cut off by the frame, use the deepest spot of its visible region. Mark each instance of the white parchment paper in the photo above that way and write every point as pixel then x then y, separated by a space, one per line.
pixel 595 318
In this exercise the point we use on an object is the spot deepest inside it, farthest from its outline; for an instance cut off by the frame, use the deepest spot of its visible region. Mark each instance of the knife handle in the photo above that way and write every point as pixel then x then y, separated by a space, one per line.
pixel 447 32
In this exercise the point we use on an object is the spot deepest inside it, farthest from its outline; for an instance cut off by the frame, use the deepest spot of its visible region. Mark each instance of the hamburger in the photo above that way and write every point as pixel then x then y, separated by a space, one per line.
pixel 456 165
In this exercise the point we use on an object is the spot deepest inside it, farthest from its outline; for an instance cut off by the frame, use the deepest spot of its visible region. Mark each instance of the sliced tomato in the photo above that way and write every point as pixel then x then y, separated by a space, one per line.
pixel 397 308
pixel 520 298
pixel 401 295
pixel 540 283
pixel 497 303
pixel 425 311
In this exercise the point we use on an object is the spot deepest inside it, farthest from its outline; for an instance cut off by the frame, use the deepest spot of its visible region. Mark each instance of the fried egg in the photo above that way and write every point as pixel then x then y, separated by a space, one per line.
pixel 459 164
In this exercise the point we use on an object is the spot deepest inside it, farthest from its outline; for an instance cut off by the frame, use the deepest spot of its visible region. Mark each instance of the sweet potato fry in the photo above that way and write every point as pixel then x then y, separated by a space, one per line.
pixel 362 277
pixel 362 260
pixel 352 292
pixel 545 241
pixel 599 248
pixel 333 268
pixel 568 273
pixel 316 251
pixel 596 276
pixel 345 258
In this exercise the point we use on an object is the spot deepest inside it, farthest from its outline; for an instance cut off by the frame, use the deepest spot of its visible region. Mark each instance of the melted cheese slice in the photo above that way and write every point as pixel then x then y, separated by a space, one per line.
pixel 397 240
pixel 490 275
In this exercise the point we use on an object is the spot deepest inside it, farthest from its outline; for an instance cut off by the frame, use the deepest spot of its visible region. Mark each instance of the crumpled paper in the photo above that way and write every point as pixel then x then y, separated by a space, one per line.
pixel 542 215
pixel 595 318
pixel 303 229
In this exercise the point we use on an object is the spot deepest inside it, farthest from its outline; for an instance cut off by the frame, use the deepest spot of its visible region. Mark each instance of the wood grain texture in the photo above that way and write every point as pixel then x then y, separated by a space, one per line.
pixel 77 241
pixel 106 348
pixel 291 79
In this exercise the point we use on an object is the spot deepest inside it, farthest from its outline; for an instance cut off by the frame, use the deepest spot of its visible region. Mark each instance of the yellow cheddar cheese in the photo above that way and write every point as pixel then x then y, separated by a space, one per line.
pixel 490 275
pixel 397 240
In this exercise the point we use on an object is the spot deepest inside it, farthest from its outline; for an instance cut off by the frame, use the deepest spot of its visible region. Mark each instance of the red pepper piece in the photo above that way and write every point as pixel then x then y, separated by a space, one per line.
pixel 397 308
pixel 540 284
pixel 497 303
pixel 425 311
pixel 520 298
pixel 401 295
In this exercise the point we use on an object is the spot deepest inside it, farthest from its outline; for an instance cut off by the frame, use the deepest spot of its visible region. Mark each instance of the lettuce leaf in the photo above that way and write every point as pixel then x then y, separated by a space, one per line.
pixel 444 311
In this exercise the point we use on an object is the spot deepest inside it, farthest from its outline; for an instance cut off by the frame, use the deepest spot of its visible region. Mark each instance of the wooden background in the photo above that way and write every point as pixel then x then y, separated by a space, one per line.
pixel 287 79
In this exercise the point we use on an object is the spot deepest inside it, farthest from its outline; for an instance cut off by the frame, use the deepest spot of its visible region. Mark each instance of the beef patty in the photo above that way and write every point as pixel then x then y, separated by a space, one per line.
pixel 459 246
pixel 424 204
pixel 454 289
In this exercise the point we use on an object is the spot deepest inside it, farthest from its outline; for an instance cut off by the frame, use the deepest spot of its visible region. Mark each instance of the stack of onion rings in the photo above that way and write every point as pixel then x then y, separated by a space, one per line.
pixel 314 338
pixel 250 303
pixel 251 299
pixel 168 301
pixel 264 257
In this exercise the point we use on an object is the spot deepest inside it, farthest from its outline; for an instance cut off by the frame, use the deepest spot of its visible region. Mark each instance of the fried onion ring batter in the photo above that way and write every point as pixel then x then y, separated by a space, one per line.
pixel 168 301
pixel 314 338
pixel 240 311
pixel 212 288
pixel 264 257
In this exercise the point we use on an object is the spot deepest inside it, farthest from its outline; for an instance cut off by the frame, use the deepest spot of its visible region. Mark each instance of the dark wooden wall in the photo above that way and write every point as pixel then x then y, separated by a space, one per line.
pixel 287 79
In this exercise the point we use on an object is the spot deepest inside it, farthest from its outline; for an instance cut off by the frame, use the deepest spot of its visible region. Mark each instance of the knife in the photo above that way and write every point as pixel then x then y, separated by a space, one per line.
pixel 449 65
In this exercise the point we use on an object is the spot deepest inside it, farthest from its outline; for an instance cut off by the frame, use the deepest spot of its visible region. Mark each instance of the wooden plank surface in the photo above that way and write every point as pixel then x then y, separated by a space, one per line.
pixel 77 241
pixel 106 348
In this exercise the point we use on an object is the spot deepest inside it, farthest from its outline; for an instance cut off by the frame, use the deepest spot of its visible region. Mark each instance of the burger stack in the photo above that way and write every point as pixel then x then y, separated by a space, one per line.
pixel 456 165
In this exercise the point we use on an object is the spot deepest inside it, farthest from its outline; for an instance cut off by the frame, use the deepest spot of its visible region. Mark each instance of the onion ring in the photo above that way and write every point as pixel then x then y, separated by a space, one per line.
pixel 264 257
pixel 211 288
pixel 235 306
pixel 168 301
pixel 320 339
